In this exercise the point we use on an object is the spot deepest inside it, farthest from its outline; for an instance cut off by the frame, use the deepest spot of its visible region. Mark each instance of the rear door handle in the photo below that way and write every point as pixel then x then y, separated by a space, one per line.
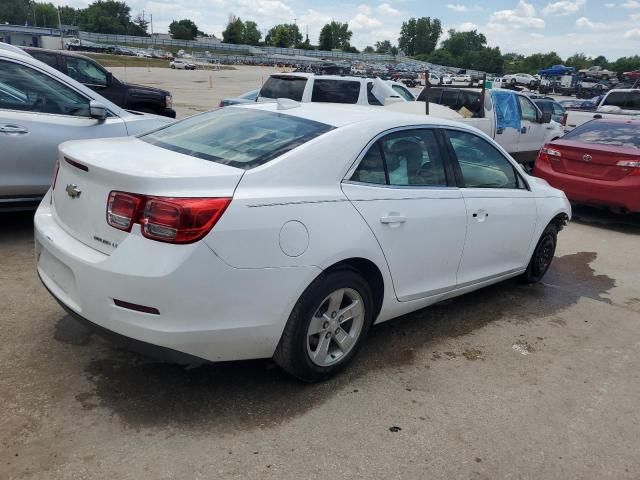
pixel 523 130
pixel 13 129
pixel 393 219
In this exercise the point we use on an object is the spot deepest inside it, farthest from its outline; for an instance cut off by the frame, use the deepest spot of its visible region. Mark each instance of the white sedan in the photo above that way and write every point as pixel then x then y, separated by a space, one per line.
pixel 286 230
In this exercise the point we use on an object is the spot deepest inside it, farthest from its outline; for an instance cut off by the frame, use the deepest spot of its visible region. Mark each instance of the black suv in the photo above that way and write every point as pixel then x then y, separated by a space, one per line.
pixel 90 73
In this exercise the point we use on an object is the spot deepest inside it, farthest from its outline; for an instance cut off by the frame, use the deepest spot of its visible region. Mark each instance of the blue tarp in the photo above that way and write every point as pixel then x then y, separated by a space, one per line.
pixel 507 110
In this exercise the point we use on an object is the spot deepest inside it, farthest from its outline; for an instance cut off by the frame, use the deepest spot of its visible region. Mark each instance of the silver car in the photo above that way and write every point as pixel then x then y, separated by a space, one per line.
pixel 41 108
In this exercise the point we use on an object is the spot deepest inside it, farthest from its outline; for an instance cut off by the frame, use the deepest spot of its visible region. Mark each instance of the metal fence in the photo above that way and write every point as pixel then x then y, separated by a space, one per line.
pixel 231 49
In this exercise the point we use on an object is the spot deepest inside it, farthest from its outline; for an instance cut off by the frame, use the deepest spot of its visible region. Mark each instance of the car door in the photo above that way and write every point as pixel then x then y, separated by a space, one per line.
pixel 93 76
pixel 403 188
pixel 501 210
pixel 532 132
pixel 38 112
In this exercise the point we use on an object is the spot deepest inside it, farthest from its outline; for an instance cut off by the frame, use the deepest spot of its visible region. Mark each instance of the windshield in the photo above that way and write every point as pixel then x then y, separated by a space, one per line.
pixel 240 137
pixel 605 133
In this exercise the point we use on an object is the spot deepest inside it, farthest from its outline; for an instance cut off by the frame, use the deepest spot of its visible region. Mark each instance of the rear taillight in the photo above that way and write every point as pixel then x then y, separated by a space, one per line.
pixel 563 122
pixel 165 219
pixel 545 154
pixel 632 165
pixel 55 175
pixel 122 210
pixel 220 105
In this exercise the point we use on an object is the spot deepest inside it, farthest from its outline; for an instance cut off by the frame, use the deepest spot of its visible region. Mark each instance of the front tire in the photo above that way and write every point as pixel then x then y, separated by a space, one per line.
pixel 327 326
pixel 542 256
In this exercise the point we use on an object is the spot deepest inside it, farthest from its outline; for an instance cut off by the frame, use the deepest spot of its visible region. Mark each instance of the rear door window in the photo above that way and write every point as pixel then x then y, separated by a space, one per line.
pixel 284 87
pixel 371 98
pixel 335 91
pixel 50 59
pixel 86 72
pixel 405 158
pixel 481 164
pixel 240 137
pixel 634 101
pixel 403 92
pixel 527 110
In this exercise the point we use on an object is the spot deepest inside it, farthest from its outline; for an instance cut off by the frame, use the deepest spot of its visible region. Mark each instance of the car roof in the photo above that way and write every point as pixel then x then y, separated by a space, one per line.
pixel 340 115
pixel 56 52
pixel 28 59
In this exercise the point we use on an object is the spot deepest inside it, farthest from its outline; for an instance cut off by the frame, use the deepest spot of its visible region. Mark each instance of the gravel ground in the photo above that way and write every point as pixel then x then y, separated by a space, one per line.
pixel 514 382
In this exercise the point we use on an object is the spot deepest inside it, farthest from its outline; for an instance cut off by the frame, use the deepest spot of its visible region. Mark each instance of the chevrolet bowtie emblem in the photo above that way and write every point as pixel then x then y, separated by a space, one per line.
pixel 73 191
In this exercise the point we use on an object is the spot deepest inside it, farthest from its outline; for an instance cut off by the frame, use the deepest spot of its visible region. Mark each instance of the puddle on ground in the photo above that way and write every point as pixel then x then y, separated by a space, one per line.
pixel 67 330
pixel 256 394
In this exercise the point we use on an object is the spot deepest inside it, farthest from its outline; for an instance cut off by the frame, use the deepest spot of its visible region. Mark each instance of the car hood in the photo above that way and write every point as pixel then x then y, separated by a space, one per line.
pixel 143 88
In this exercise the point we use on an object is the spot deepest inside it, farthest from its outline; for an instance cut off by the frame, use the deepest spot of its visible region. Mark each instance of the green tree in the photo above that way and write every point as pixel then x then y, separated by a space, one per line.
pixel 184 29
pixel 15 12
pixel 45 15
pixel 250 33
pixel 283 35
pixel 335 35
pixel 407 39
pixel 105 16
pixel 234 33
pixel 139 26
pixel 428 32
pixel 369 49
pixel 69 15
pixel 578 61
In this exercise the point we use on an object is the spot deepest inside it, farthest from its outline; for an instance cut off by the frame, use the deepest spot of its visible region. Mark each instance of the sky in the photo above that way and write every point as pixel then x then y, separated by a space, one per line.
pixel 609 28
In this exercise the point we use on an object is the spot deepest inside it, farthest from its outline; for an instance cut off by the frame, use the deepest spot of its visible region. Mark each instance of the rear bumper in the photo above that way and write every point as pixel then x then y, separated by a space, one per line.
pixel 207 309
pixel 623 193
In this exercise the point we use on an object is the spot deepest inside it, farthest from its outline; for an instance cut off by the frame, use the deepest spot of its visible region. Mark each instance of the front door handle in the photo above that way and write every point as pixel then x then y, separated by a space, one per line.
pixel 523 130
pixel 13 129
pixel 387 219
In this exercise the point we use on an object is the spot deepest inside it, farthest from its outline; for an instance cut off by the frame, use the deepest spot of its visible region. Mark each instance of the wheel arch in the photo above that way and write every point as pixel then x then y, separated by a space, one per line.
pixel 371 273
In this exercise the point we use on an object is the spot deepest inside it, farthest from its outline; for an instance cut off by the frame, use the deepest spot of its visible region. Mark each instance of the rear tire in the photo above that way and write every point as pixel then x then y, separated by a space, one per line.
pixel 327 326
pixel 542 256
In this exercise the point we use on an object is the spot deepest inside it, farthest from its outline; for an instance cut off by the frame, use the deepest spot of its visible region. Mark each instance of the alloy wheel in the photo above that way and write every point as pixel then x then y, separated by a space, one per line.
pixel 335 327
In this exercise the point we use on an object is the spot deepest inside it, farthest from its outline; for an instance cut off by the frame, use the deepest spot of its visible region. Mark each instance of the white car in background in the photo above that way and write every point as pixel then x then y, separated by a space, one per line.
pixel 181 64
pixel 523 79
pixel 41 107
pixel 286 230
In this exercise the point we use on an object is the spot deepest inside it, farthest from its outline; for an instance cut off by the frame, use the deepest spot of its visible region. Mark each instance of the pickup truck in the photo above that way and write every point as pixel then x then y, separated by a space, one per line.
pixel 596 72
pixel 617 103
pixel 94 76
pixel 509 117
pixel 556 71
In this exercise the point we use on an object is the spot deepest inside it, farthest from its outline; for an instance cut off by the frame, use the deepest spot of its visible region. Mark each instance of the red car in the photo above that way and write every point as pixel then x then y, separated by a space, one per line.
pixel 635 75
pixel 597 163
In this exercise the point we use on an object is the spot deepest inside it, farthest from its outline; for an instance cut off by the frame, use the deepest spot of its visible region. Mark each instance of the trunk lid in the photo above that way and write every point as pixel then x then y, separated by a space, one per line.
pixel 592 160
pixel 90 170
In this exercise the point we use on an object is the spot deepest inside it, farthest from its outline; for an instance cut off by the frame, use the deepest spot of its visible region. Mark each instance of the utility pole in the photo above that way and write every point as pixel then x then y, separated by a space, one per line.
pixel 153 40
pixel 60 28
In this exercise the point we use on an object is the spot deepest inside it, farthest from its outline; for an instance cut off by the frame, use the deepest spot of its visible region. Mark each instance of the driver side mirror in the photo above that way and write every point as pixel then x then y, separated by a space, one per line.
pixel 97 110
pixel 546 117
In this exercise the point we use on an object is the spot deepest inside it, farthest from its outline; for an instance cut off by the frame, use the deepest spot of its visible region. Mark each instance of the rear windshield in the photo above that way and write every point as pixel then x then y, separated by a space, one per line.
pixel 240 137
pixel 335 91
pixel 284 87
pixel 624 100
pixel 605 133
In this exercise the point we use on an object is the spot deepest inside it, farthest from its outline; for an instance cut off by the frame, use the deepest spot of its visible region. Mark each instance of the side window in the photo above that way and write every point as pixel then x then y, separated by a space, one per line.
pixel 371 168
pixel 371 98
pixel 24 88
pixel 406 158
pixel 85 72
pixel 634 101
pixel 482 165
pixel 557 109
pixel 527 110
pixel 48 58
pixel 335 91
pixel 615 99
pixel 403 92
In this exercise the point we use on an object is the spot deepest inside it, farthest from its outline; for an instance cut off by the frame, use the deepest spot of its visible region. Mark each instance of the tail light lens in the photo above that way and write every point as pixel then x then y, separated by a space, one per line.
pixel 634 166
pixel 546 154
pixel 122 210
pixel 165 219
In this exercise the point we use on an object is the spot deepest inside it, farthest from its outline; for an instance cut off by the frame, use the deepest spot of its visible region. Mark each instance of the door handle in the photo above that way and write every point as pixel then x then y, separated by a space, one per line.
pixel 387 219
pixel 480 215
pixel 523 130
pixel 499 131
pixel 13 129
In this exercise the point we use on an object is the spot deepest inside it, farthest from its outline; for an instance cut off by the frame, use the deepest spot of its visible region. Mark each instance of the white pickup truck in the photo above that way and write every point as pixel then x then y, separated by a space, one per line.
pixel 508 117
pixel 619 103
